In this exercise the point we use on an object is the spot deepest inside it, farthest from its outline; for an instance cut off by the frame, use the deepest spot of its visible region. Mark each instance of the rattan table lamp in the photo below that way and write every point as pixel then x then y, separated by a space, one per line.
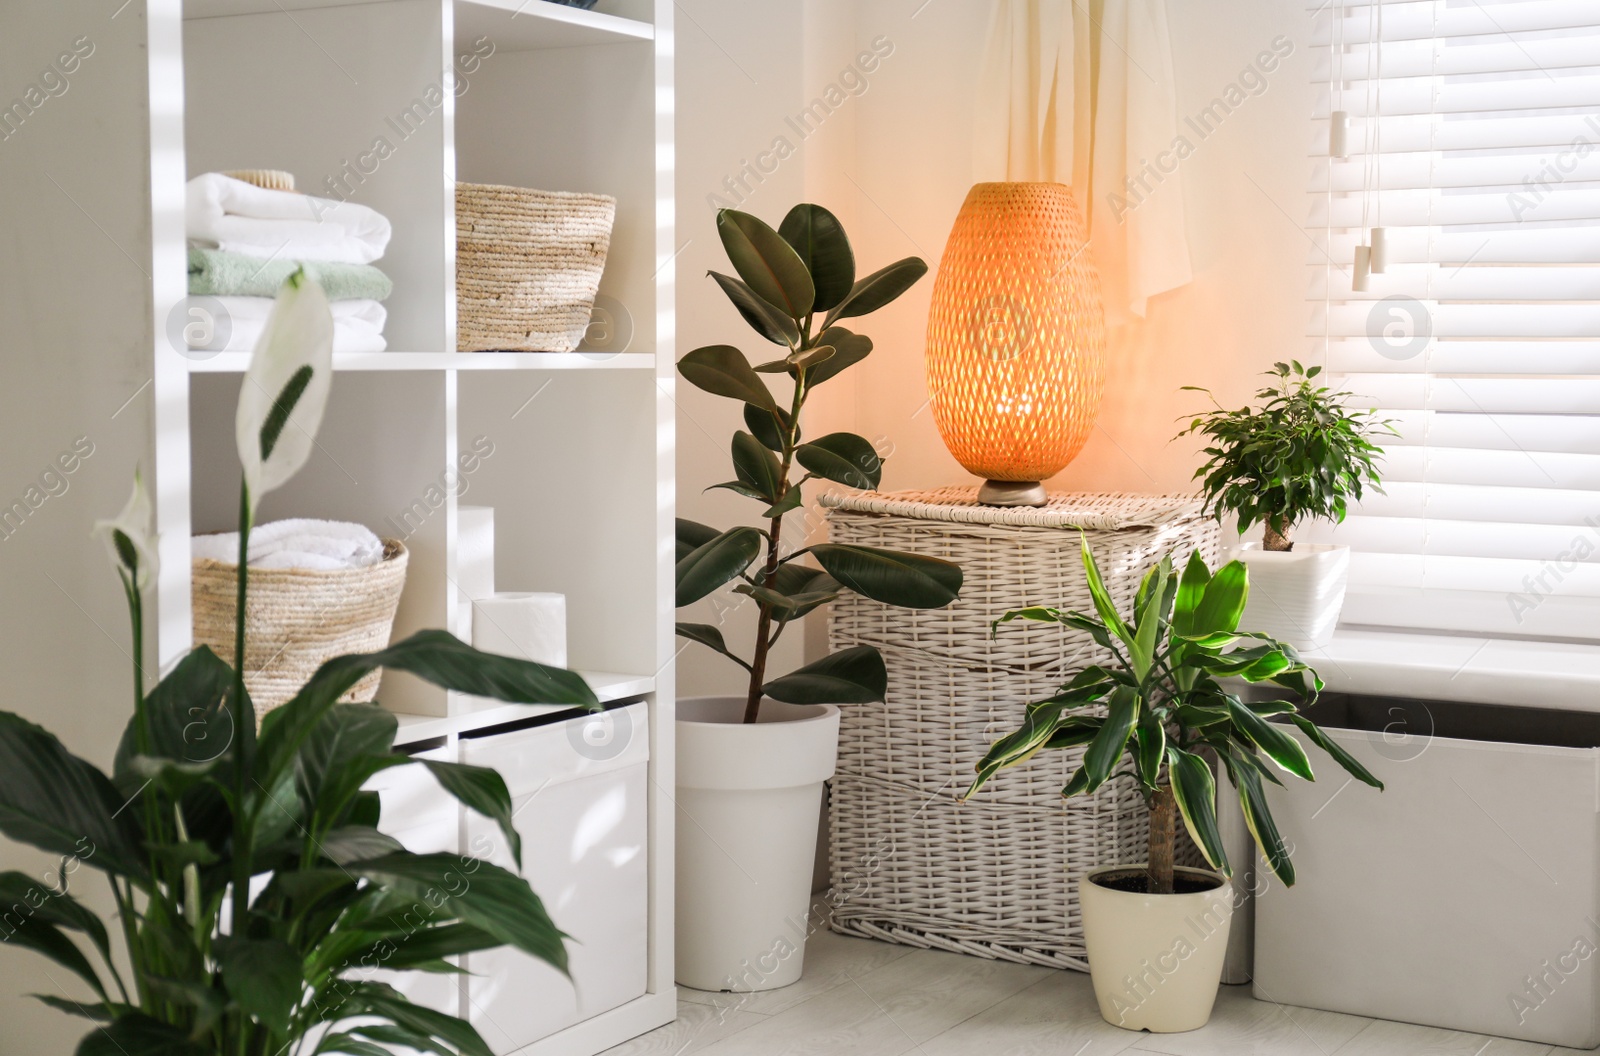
pixel 1016 339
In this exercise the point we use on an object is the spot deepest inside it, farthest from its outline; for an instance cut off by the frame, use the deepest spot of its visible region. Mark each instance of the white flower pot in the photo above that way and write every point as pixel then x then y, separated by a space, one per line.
pixel 1156 960
pixel 748 801
pixel 1295 595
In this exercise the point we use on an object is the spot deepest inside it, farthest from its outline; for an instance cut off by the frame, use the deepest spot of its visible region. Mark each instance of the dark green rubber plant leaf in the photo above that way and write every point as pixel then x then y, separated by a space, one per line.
pixel 894 578
pixel 879 288
pixel 850 676
pixel 766 320
pixel 716 562
pixel 819 239
pixel 843 458
pixel 767 263
pixel 722 370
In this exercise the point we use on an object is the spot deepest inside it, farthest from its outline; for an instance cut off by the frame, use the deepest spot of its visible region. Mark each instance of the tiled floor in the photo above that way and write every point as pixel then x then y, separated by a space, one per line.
pixel 865 998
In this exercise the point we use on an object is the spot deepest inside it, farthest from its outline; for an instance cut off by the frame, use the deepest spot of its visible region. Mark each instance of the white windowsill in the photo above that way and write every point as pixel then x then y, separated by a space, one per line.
pixel 1475 670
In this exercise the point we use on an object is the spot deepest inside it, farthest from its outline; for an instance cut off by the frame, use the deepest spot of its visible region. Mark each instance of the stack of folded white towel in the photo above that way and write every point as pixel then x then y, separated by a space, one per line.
pixel 295 543
pixel 232 223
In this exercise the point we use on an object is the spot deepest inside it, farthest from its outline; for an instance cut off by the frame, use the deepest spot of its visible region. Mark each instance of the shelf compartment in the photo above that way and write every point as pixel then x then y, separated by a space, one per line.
pixel 534 25
pixel 237 362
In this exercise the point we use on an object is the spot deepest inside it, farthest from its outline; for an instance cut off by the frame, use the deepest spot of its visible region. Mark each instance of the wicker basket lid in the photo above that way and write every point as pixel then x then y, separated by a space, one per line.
pixel 1101 512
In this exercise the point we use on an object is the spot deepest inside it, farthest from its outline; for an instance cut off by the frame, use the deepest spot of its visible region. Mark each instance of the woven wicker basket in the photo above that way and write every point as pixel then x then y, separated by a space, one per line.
pixel 296 619
pixel 996 876
pixel 528 266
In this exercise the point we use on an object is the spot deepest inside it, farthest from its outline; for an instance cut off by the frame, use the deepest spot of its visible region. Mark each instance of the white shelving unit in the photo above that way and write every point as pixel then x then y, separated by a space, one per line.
pixel 580 469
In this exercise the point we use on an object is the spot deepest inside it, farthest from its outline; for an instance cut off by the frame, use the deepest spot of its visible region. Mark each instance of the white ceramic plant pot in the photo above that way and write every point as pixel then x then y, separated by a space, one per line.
pixel 1156 960
pixel 748 801
pixel 1295 595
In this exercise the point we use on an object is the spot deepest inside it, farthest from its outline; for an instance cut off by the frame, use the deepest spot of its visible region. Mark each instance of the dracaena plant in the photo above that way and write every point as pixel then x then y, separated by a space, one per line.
pixel 254 890
pixel 1166 709
pixel 1301 453
pixel 793 287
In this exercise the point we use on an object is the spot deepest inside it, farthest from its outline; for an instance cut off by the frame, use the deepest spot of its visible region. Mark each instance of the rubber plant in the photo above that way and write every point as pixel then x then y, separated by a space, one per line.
pixel 793 286
pixel 254 890
pixel 1166 709
pixel 1301 453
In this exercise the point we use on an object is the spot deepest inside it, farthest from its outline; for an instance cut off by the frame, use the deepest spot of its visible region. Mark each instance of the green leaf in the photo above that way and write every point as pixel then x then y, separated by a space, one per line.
pixel 31 931
pixel 1258 817
pixel 416 1022
pixel 1279 746
pixel 850 676
pixel 819 240
pixel 482 790
pixel 439 657
pixel 722 370
pixel 844 458
pixel 709 636
pixel 767 263
pixel 1191 588
pixel 1319 738
pixel 1149 750
pixel 475 892
pixel 344 736
pixel 96 1011
pixel 716 562
pixel 264 979
pixel 848 350
pixel 1195 791
pixel 1222 603
pixel 792 500
pixel 424 945
pixel 908 580
pixel 1103 753
pixel 765 319
pixel 1102 597
pixel 356 843
pixel 61 804
pixel 770 427
pixel 756 467
pixel 692 535
pixel 879 288
pixel 136 1034
pixel 350 1045
pixel 22 897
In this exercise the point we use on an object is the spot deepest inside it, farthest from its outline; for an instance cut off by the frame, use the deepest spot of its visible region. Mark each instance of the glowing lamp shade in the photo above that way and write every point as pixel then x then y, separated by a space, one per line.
pixel 1016 339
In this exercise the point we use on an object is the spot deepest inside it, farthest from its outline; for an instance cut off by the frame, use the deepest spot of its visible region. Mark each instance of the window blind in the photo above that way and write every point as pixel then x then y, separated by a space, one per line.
pixel 1474 143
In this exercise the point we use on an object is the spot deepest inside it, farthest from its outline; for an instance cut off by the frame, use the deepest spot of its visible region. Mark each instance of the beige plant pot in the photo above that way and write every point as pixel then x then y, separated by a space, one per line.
pixel 1156 960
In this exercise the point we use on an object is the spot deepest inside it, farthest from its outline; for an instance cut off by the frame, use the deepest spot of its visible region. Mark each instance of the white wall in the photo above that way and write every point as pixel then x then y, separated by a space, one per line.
pixel 74 369
pixel 895 161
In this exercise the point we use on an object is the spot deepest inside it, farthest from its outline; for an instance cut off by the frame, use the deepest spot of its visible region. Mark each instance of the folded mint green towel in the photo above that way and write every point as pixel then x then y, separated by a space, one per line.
pixel 216 273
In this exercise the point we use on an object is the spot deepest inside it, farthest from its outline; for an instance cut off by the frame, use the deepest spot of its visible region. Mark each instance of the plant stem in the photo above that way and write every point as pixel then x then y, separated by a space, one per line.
pixel 1163 834
pixel 769 578
pixel 1275 536
pixel 241 862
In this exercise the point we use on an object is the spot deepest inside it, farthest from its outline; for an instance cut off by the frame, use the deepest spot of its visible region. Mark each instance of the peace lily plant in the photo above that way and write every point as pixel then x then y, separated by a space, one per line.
pixel 254 891
pixel 1167 712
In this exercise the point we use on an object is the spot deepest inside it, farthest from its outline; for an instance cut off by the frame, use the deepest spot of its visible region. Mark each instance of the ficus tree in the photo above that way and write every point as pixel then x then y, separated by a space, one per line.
pixel 1167 709
pixel 1300 453
pixel 794 286
pixel 254 890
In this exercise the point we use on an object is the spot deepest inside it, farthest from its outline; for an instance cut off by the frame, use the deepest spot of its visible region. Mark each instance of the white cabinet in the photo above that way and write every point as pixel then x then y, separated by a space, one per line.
pixel 580 791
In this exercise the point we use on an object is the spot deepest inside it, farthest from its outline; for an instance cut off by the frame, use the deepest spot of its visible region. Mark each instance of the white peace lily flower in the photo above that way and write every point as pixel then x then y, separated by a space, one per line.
pixel 130 537
pixel 286 388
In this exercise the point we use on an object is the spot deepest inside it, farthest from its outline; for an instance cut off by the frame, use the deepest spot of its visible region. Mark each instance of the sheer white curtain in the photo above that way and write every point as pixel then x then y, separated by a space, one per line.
pixel 1475 145
pixel 1037 119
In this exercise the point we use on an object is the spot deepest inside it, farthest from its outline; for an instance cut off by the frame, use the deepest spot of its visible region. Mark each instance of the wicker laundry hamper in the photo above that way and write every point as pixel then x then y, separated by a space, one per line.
pixel 996 876
pixel 297 619
pixel 528 266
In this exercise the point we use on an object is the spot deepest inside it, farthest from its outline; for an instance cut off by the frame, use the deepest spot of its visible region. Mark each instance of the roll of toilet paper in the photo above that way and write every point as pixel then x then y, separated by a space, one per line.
pixel 528 626
pixel 475 552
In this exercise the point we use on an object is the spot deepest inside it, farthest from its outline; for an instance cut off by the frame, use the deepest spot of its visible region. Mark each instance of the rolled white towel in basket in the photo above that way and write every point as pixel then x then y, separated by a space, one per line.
pixel 229 214
pixel 298 542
